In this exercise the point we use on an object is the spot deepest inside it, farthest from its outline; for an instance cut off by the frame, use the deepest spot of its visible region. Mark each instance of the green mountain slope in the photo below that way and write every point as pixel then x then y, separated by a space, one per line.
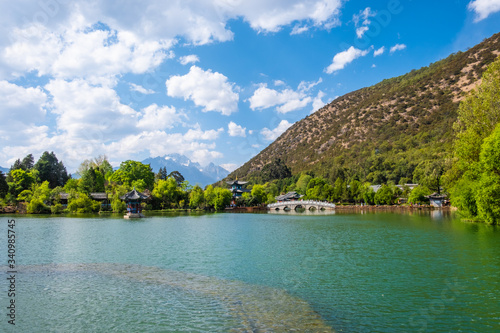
pixel 393 131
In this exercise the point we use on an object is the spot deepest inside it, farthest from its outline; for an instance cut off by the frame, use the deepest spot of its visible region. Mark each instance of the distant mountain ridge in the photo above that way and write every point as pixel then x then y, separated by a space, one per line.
pixel 4 170
pixel 192 171
pixel 383 132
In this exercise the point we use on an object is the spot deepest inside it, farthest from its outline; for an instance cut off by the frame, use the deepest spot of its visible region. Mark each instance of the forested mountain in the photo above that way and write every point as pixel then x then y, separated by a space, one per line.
pixel 398 130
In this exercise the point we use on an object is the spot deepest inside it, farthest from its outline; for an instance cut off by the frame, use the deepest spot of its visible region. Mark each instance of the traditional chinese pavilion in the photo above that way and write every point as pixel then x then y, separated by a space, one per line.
pixel 133 200
pixel 237 188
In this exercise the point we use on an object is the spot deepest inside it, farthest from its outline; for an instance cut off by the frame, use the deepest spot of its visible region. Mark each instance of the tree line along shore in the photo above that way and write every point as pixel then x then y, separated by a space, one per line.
pixel 469 177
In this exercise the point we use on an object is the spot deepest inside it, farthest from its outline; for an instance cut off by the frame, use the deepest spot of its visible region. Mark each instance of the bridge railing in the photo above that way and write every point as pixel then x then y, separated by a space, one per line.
pixel 304 202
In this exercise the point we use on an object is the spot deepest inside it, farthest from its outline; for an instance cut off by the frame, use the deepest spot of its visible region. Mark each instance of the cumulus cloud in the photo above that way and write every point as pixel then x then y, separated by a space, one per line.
pixel 379 51
pixel 397 47
pixel 318 101
pixel 287 100
pixel 82 51
pixel 141 89
pixel 271 16
pixel 155 117
pixel 236 130
pixel 90 112
pixel 20 111
pixel 271 135
pixel 208 89
pixel 484 8
pixel 189 59
pixel 341 59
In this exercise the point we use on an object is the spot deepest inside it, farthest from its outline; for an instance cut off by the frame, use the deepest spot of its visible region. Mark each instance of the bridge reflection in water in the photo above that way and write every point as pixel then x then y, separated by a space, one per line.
pixel 307 205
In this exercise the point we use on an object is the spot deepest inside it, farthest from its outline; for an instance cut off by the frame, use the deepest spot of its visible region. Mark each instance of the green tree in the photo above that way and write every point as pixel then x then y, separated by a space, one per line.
pixel 92 181
pixel 51 170
pixel 196 197
pixel 166 192
pixel 275 170
pixel 21 180
pixel 179 178
pixel 259 193
pixel 384 196
pixel 477 149
pixel 130 171
pixel 4 187
pixel 81 203
pixel 302 183
pixel 162 174
pixel 222 198
pixel 418 195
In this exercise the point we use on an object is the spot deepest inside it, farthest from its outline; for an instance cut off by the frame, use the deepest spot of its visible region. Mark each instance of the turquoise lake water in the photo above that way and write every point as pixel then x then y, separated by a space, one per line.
pixel 384 272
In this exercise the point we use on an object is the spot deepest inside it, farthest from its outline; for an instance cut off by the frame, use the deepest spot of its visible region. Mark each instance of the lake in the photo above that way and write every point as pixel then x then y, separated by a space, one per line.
pixel 384 272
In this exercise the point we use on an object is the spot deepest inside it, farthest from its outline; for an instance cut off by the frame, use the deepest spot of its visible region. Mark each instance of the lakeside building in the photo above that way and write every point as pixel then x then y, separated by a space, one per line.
pixel 436 199
pixel 237 189
pixel 133 199
pixel 290 196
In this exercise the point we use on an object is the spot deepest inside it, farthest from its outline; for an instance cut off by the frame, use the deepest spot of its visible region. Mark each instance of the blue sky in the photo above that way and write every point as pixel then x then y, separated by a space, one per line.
pixel 217 80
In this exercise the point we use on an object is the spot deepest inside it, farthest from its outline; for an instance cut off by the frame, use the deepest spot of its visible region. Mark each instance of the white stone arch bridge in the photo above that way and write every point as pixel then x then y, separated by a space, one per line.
pixel 305 204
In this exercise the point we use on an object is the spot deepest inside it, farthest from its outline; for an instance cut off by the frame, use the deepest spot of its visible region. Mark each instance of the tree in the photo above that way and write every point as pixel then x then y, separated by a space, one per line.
pixel 384 196
pixel 428 173
pixel 166 192
pixel 92 181
pixel 259 193
pixel 177 176
pixel 302 183
pixel 21 180
pixel 476 190
pixel 162 174
pixel 221 199
pixel 196 197
pixel 130 171
pixel 4 187
pixel 418 195
pixel 51 170
pixel 275 170
pixel 28 162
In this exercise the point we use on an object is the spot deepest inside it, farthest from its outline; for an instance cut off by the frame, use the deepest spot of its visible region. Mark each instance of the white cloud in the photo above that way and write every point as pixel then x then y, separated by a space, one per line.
pixel 379 51
pixel 271 135
pixel 341 59
pixel 21 109
pixel 141 89
pixel 271 16
pixel 236 130
pixel 90 112
pixel 364 18
pixel 24 104
pixel 484 8
pixel 205 88
pixel 297 30
pixel 198 134
pixel 154 117
pixel 397 47
pixel 318 102
pixel 287 99
pixel 205 156
pixel 230 166
pixel 81 51
pixel 306 85
pixel 278 83
pixel 361 31
pixel 189 59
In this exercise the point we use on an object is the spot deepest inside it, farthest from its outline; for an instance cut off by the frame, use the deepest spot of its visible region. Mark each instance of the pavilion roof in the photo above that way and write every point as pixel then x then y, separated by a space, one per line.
pixel 236 182
pixel 134 195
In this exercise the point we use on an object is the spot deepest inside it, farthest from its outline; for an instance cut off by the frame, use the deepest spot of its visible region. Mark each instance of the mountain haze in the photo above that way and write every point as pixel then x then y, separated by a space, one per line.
pixel 383 132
